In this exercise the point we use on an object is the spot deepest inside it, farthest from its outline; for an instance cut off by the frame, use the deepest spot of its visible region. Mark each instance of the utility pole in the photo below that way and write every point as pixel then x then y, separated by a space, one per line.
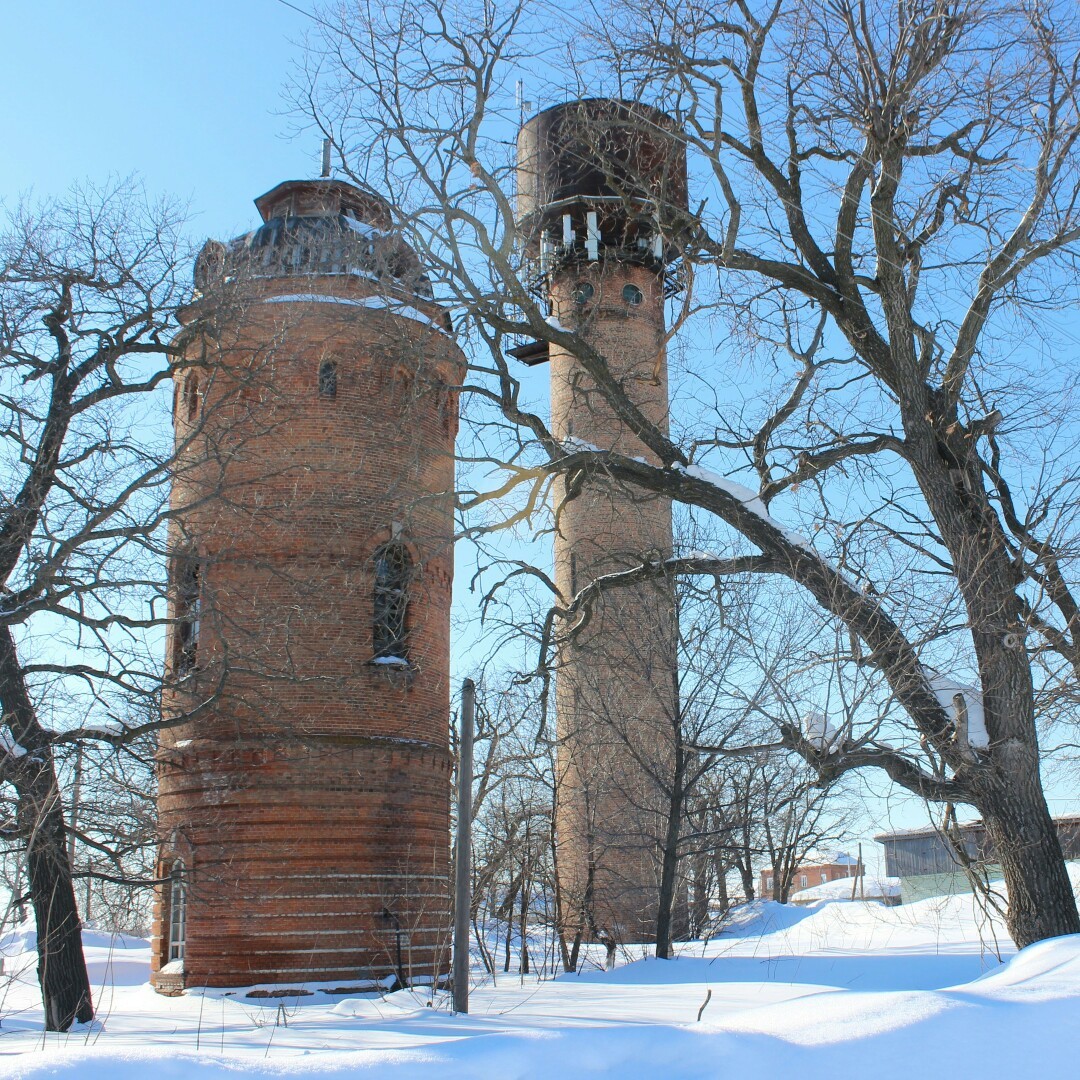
pixel 76 799
pixel 76 795
pixel 463 850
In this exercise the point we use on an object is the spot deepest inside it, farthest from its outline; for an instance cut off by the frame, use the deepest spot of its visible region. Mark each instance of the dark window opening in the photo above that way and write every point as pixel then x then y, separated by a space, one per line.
pixel 191 397
pixel 632 295
pixel 328 379
pixel 393 571
pixel 189 615
pixel 583 292
pixel 177 911
pixel 448 413
pixel 403 385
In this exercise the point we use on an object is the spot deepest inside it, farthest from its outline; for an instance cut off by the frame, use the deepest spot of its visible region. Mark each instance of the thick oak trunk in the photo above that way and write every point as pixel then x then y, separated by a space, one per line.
pixel 1025 843
pixel 65 985
pixel 1003 778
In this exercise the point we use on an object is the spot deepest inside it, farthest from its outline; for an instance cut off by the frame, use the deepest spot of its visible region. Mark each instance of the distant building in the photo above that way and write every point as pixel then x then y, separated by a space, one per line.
pixel 928 863
pixel 840 866
pixel 883 890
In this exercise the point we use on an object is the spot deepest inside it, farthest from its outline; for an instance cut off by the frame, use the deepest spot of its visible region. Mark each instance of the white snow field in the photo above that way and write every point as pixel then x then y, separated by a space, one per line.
pixel 832 990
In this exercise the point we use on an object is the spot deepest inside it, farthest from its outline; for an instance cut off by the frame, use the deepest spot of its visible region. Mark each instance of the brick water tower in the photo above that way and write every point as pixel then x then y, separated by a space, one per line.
pixel 305 780
pixel 600 186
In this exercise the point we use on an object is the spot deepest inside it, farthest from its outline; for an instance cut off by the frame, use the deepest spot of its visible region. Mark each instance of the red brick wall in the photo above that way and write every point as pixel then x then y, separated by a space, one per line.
pixel 615 688
pixel 310 789
pixel 832 872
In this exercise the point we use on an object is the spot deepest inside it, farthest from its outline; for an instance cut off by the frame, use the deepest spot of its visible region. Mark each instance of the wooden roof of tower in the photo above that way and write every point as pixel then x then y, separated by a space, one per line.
pixel 324 196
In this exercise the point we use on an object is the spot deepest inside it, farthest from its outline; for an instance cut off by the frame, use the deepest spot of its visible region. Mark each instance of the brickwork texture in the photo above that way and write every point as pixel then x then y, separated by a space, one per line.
pixel 304 781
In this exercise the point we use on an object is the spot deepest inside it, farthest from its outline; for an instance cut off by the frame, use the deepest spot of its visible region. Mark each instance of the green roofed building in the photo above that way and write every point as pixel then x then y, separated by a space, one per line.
pixel 934 862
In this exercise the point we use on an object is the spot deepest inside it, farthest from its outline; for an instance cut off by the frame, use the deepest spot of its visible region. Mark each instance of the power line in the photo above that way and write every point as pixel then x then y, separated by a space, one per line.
pixel 307 14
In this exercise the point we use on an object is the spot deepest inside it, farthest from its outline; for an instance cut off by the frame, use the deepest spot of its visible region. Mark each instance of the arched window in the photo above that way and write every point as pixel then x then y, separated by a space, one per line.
pixel 328 379
pixel 177 911
pixel 393 570
pixel 191 397
pixel 188 614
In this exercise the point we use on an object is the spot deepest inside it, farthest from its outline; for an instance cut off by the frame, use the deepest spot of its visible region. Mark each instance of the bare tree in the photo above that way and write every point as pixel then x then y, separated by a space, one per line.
pixel 112 831
pixel 888 203
pixel 514 881
pixel 88 293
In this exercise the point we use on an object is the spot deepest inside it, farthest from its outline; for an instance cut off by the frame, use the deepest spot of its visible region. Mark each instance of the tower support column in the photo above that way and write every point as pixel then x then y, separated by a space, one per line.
pixel 602 199
pixel 616 690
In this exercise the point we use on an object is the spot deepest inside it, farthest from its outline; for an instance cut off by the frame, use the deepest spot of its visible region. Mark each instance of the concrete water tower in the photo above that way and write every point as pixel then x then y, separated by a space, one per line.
pixel 305 796
pixel 601 187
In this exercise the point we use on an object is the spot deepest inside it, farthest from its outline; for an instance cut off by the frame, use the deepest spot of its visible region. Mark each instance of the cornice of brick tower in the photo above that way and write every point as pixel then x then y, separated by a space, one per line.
pixel 304 775
pixel 596 179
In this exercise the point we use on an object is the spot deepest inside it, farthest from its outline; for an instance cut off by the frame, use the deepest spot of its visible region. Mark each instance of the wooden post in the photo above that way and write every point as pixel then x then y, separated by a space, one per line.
pixel 463 850
pixel 857 884
pixel 76 795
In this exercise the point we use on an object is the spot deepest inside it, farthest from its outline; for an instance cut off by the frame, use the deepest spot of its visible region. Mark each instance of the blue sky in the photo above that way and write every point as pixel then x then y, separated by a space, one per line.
pixel 187 95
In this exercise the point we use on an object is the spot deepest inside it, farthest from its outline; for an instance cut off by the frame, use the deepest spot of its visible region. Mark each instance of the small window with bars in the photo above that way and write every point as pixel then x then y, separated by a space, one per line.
pixel 328 379
pixel 393 574
pixel 191 397
pixel 188 614
pixel 177 911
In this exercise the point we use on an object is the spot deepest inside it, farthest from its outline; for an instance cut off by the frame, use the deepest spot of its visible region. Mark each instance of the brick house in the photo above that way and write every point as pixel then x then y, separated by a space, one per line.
pixel 840 866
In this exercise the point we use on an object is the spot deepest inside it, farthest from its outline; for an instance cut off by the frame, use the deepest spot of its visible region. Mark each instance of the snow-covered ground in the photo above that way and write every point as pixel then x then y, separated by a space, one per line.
pixel 865 888
pixel 832 990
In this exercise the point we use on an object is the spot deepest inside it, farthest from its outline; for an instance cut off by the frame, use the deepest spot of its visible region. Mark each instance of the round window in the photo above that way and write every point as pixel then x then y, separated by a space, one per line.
pixel 583 292
pixel 632 295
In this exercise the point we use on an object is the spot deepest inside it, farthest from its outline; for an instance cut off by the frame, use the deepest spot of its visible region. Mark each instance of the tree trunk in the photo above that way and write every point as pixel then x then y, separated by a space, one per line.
pixel 570 962
pixel 1025 843
pixel 670 860
pixel 569 959
pixel 509 931
pixel 746 873
pixel 485 953
pixel 1003 779
pixel 523 928
pixel 699 913
pixel 65 985
pixel 785 865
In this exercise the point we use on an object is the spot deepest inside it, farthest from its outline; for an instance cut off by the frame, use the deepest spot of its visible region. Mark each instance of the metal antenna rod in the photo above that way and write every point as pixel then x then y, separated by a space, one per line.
pixel 463 850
